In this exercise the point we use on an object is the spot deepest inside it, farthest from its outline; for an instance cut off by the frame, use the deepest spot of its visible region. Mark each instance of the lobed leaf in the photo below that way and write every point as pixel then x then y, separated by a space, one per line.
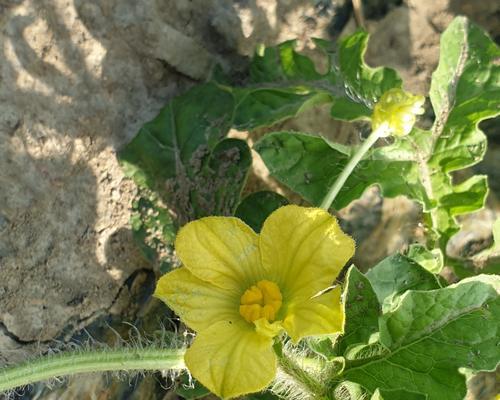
pixel 395 275
pixel 282 83
pixel 431 260
pixel 258 107
pixel 282 63
pixel 309 165
pixel 364 85
pixel 361 309
pixel 184 165
pixel 465 89
pixel 430 335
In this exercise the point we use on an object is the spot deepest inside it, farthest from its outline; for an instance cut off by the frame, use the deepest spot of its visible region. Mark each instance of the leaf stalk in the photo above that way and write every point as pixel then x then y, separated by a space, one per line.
pixel 353 162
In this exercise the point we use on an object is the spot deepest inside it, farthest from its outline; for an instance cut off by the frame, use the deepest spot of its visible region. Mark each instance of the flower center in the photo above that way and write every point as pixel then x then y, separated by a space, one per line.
pixel 262 300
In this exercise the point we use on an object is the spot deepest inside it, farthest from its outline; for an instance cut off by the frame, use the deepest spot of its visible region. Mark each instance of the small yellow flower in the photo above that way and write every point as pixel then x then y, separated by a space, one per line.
pixel 238 290
pixel 396 111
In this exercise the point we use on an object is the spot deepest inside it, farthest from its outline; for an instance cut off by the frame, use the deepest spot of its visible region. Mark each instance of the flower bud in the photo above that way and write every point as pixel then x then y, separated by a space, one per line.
pixel 396 112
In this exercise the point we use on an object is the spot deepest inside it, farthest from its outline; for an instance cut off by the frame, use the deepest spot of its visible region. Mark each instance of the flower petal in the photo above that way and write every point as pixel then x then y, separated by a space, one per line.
pixel 321 315
pixel 197 302
pixel 303 250
pixel 232 359
pixel 266 328
pixel 220 250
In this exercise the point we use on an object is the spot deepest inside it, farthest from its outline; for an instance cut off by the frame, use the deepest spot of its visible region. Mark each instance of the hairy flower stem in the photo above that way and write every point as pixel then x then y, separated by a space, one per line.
pixel 70 363
pixel 302 379
pixel 353 162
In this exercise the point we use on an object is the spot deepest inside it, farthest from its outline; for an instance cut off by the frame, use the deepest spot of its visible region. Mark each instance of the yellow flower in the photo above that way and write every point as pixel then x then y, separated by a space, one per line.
pixel 396 112
pixel 238 290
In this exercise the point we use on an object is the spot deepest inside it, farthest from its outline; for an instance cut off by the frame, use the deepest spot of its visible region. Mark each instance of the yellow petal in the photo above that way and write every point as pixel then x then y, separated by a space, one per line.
pixel 303 250
pixel 220 250
pixel 266 328
pixel 197 302
pixel 232 359
pixel 321 315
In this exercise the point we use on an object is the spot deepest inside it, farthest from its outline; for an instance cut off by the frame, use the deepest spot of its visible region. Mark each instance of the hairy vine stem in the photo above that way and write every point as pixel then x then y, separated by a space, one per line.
pixel 153 358
pixel 305 382
pixel 353 162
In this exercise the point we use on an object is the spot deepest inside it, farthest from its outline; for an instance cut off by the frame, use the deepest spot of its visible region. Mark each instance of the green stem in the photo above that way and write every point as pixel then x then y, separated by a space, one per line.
pixel 303 380
pixel 71 363
pixel 356 158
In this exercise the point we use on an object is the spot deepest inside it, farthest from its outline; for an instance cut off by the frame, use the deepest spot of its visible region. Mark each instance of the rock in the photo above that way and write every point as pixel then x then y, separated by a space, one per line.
pixel 73 90
pixel 245 24
pixel 475 234
pixel 362 216
pixel 398 227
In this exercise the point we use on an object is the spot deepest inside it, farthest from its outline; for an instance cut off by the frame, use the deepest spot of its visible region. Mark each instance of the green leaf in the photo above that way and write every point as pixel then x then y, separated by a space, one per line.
pixel 364 85
pixel 361 309
pixel 466 197
pixel 396 395
pixel 282 84
pixel 266 106
pixel 183 164
pixel 256 207
pixel 396 274
pixel 464 91
pixel 431 260
pixel 359 353
pixel 345 109
pixel 308 165
pixel 183 157
pixel 282 63
pixel 431 334
pixel 353 391
pixel 266 65
pixel 172 144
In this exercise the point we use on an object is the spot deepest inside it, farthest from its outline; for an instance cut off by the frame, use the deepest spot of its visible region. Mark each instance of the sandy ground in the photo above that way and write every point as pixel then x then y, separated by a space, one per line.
pixel 77 80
